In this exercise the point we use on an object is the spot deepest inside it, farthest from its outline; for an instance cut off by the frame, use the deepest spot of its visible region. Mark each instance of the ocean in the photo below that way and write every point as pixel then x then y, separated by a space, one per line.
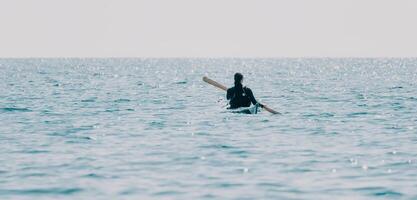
pixel 131 128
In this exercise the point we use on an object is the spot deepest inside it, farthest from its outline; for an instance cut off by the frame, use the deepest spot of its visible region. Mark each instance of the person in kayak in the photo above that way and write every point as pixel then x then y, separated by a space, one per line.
pixel 239 95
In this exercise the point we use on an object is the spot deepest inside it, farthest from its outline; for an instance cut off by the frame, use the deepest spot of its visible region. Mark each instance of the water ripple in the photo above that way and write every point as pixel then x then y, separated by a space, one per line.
pixel 131 128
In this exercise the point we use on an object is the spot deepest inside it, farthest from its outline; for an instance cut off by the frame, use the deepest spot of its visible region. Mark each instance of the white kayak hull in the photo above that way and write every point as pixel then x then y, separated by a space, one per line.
pixel 246 110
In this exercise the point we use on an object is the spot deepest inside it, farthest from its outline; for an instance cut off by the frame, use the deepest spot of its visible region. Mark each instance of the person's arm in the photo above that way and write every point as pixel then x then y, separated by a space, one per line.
pixel 252 98
pixel 229 94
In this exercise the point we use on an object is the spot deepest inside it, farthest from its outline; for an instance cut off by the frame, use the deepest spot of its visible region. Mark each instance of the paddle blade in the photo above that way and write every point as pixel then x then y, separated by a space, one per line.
pixel 214 83
pixel 271 110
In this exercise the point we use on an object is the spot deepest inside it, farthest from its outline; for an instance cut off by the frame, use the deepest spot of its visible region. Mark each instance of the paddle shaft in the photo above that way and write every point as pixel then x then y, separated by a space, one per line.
pixel 222 87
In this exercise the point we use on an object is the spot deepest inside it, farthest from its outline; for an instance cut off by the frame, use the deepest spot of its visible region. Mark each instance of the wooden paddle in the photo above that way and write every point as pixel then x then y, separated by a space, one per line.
pixel 218 85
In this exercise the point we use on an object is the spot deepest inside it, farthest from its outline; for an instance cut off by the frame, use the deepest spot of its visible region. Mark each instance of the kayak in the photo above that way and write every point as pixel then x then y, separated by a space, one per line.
pixel 246 110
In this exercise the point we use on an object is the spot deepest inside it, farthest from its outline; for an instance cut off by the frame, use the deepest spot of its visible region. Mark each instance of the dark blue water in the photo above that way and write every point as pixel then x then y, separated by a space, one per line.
pixel 151 129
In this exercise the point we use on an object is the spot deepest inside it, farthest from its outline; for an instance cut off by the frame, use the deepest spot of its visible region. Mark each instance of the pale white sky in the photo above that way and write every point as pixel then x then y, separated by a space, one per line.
pixel 208 28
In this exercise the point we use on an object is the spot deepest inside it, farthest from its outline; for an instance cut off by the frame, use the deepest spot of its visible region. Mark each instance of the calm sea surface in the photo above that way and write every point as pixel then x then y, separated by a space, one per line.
pixel 152 129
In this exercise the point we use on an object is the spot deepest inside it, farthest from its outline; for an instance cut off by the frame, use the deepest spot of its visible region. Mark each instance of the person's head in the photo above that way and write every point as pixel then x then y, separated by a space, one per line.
pixel 238 78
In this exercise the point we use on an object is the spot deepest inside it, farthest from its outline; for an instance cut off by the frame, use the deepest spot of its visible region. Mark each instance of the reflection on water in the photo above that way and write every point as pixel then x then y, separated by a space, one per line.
pixel 150 128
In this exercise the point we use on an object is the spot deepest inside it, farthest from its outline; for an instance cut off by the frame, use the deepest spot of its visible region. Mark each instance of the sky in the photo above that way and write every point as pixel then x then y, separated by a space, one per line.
pixel 208 28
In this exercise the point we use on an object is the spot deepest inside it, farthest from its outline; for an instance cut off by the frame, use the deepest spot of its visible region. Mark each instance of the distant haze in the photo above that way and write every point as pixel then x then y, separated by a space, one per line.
pixel 210 28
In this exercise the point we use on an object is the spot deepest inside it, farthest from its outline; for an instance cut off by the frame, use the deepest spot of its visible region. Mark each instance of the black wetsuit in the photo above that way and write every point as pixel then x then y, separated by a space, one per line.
pixel 240 98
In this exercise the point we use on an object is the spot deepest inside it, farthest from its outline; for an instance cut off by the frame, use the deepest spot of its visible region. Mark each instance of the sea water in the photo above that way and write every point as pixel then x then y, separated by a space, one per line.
pixel 152 129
